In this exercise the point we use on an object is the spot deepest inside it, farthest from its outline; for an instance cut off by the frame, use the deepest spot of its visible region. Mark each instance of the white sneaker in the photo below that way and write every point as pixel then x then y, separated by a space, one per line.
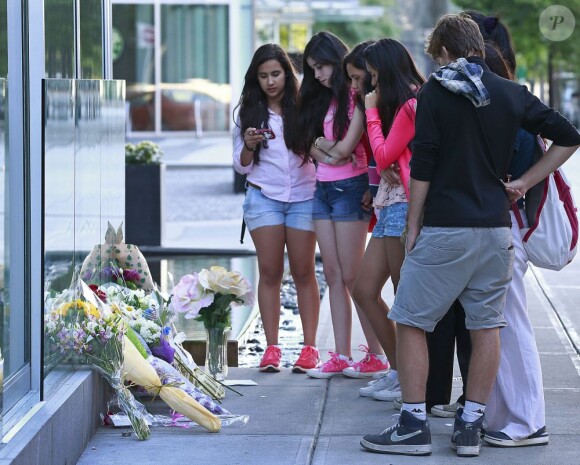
pixel 398 404
pixel 391 393
pixel 376 385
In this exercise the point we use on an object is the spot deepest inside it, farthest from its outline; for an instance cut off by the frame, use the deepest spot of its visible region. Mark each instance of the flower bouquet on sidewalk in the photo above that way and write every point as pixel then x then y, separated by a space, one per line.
pixel 85 330
pixel 208 296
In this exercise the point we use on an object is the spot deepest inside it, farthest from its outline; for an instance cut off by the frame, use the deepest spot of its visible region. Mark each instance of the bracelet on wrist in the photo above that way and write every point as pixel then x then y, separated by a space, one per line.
pixel 248 148
pixel 316 142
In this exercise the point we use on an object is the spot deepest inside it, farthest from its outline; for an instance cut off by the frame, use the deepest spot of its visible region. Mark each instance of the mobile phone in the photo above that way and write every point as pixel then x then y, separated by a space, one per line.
pixel 267 133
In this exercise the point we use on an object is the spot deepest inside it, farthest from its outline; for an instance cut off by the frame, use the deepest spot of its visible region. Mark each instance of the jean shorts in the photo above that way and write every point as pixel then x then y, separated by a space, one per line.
pixel 260 210
pixel 473 265
pixel 391 220
pixel 341 200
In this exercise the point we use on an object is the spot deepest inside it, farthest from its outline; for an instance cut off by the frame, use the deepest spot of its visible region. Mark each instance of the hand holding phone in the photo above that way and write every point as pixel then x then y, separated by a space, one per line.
pixel 267 133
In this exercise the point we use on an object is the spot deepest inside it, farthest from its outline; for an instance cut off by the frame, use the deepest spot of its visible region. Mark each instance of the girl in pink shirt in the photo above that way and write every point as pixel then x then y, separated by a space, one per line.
pixel 390 112
pixel 330 128
pixel 279 199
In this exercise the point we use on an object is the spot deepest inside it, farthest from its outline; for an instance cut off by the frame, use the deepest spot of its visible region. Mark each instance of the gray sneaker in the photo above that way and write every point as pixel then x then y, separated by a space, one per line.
pixel 409 436
pixel 398 403
pixel 466 438
pixel 390 393
pixel 375 386
pixel 445 411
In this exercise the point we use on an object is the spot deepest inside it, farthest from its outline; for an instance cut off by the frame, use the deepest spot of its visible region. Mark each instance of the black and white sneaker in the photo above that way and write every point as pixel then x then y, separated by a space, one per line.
pixel 466 439
pixel 500 439
pixel 409 436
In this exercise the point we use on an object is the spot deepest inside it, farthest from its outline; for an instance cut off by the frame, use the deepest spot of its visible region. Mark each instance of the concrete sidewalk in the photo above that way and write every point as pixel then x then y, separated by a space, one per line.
pixel 302 421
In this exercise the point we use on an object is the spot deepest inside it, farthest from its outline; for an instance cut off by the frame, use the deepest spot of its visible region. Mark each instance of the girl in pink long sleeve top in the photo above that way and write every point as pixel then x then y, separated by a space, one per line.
pixel 279 199
pixel 390 112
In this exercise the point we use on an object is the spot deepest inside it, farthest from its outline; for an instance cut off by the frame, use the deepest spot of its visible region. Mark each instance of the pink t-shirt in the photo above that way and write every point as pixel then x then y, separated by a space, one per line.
pixel 326 172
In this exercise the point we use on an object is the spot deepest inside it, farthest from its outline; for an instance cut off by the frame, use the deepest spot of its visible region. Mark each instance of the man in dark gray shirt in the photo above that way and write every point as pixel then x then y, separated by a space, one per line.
pixel 459 238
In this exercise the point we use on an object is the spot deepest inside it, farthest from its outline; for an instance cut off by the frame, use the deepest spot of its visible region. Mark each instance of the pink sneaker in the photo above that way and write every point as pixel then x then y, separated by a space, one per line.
pixel 367 367
pixel 309 358
pixel 334 366
pixel 271 359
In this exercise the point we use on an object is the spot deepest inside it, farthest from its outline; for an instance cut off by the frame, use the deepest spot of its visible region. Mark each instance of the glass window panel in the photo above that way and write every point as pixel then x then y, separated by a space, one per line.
pixel 195 67
pixel 133 61
pixel 59 38
pixel 4 222
pixel 91 38
pixel 59 200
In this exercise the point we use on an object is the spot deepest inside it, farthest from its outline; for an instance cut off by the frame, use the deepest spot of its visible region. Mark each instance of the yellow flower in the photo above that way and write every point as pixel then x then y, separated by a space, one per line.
pixel 86 307
pixel 224 282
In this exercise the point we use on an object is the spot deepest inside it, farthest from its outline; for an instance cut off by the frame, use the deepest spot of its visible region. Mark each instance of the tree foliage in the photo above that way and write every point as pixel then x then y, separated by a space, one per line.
pixel 354 32
pixel 532 48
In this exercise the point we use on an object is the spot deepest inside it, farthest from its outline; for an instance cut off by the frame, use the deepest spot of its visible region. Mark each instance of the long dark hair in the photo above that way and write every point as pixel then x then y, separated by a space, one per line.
pixel 253 104
pixel 398 79
pixel 495 61
pixel 325 48
pixel 356 58
pixel 494 30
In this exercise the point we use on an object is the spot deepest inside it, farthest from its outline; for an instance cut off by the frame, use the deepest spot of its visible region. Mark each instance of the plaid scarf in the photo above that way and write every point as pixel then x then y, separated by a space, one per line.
pixel 464 78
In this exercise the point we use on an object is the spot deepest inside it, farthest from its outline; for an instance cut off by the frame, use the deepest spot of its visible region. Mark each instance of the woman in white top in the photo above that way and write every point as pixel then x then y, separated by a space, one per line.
pixel 279 199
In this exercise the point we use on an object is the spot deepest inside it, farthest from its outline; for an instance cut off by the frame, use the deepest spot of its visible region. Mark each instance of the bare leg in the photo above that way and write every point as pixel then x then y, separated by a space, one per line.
pixel 373 275
pixel 350 240
pixel 395 257
pixel 269 242
pixel 301 247
pixel 340 306
pixel 483 365
pixel 412 363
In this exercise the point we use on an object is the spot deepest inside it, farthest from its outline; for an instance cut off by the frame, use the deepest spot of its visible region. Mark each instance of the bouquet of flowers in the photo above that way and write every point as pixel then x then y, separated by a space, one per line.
pixel 151 327
pixel 84 329
pixel 208 295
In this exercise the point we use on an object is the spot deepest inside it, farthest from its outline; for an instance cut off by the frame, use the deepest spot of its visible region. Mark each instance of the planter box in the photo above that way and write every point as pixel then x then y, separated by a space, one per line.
pixel 144 219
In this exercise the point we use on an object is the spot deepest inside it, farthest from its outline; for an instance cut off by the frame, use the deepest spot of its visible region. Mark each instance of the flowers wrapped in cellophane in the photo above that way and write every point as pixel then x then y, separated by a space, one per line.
pixel 149 349
pixel 84 329
pixel 151 320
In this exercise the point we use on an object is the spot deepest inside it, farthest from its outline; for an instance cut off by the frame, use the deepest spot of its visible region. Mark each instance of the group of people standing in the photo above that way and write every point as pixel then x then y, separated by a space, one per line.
pixel 365 143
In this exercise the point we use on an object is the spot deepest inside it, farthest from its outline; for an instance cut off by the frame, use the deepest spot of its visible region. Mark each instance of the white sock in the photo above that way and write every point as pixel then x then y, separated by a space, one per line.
pixel 417 410
pixel 472 411
pixel 381 357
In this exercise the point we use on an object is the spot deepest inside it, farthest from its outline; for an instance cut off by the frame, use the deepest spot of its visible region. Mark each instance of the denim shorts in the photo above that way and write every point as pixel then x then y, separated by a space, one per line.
pixel 341 200
pixel 473 265
pixel 260 210
pixel 391 220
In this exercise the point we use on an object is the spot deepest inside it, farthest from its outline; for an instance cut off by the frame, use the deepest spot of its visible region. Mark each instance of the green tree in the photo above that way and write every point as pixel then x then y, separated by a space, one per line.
pixel 353 32
pixel 537 56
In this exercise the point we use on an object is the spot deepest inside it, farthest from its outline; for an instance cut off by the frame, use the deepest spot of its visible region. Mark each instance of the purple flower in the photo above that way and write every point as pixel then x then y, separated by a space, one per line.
pixel 131 275
pixel 189 296
pixel 163 351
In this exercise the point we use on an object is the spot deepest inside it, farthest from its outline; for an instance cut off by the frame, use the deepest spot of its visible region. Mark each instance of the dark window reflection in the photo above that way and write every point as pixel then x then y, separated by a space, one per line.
pixel 133 60
pixel 3 41
pixel 59 38
pixel 91 39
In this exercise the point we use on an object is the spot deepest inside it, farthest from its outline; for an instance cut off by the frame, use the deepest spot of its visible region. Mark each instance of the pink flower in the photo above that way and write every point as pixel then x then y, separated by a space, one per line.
pixel 189 296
